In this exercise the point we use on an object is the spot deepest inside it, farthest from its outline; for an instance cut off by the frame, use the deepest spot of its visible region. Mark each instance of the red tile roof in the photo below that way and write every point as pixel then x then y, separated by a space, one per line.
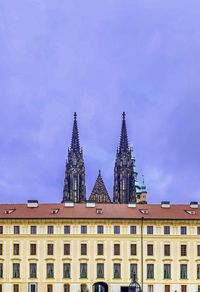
pixel 109 211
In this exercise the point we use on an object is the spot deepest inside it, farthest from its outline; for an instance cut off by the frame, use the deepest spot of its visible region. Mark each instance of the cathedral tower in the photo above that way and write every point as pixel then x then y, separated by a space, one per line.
pixel 74 182
pixel 124 190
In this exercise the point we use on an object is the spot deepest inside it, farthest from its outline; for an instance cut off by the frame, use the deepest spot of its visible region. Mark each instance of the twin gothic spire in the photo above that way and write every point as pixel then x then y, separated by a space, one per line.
pixel 74 182
pixel 126 188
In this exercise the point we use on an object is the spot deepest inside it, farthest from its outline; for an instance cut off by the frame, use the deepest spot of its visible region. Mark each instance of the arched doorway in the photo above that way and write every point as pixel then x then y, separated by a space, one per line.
pixel 100 287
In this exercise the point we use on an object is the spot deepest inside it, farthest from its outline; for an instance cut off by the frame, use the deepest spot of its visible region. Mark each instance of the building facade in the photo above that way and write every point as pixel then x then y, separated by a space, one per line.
pixel 98 247
pixel 99 244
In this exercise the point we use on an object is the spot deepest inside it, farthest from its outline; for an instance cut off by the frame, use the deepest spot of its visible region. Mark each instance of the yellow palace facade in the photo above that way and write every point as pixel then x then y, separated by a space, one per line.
pixel 99 247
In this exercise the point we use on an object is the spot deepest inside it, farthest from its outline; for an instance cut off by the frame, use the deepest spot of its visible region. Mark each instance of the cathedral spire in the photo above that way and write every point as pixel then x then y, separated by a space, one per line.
pixel 99 193
pixel 123 146
pixel 75 145
pixel 124 190
pixel 74 183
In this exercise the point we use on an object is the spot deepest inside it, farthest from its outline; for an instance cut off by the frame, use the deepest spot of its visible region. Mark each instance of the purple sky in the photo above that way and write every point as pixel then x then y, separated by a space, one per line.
pixel 99 58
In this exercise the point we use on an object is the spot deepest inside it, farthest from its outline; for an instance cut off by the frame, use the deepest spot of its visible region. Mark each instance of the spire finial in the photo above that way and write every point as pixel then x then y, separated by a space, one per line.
pixel 124 115
pixel 100 172
pixel 143 183
pixel 75 115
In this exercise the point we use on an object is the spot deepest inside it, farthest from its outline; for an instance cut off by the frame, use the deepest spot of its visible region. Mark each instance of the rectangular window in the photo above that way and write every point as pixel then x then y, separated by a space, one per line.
pixel 183 271
pixel 198 230
pixel 66 249
pixel 1 229
pixel 167 250
pixel 150 249
pixel 133 271
pixel 15 249
pixel 198 271
pixel 133 229
pixel 198 250
pixel 149 229
pixel 1 270
pixel 50 229
pixel 100 229
pixel 133 249
pixel 83 229
pixel 67 229
pixel 116 249
pixel 33 249
pixel 183 230
pixel 33 270
pixel 33 229
pixel 99 249
pixel 167 271
pixel 83 249
pixel 83 270
pixel 116 229
pixel 183 288
pixel 167 288
pixel 49 249
pixel 183 250
pixel 66 288
pixel 100 270
pixel 66 270
pixel 117 271
pixel 49 288
pixel 166 229
pixel 1 249
pixel 16 288
pixel 1 288
pixel 16 270
pixel 50 270
pixel 16 230
pixel 150 288
pixel 150 271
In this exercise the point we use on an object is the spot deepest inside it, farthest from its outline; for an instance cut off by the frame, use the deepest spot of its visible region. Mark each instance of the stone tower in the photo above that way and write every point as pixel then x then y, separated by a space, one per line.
pixel 74 182
pixel 124 190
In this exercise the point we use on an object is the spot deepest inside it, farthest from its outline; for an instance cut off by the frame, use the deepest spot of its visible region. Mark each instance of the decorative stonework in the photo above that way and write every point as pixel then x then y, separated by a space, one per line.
pixel 74 183
pixel 99 193
pixel 124 189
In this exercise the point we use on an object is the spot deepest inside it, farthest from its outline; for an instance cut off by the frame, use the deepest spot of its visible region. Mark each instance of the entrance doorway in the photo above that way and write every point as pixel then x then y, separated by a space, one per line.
pixel 100 287
pixel 32 287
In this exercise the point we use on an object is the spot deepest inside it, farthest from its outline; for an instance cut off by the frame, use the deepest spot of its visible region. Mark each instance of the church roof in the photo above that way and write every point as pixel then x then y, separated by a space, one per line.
pixel 100 211
pixel 99 193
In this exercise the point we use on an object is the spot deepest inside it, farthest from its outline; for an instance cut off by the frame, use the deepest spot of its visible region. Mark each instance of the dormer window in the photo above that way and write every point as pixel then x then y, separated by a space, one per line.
pixel 144 211
pixel 99 211
pixel 55 211
pixel 191 212
pixel 9 211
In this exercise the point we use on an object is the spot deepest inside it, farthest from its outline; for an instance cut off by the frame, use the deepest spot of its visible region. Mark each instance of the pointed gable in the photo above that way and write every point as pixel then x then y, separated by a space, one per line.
pixel 99 193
